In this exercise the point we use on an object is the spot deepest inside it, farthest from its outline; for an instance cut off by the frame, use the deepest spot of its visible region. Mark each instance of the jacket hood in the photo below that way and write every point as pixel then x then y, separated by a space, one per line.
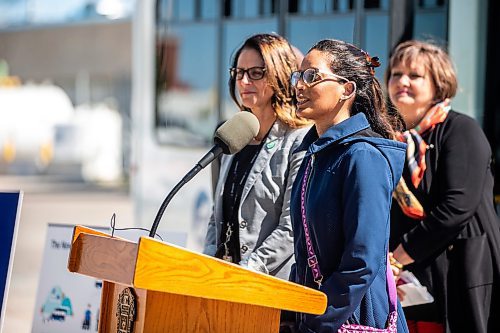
pixel 357 129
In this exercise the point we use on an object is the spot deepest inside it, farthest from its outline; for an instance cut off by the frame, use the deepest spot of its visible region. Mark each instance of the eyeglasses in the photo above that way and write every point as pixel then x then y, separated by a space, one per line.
pixel 253 73
pixel 313 75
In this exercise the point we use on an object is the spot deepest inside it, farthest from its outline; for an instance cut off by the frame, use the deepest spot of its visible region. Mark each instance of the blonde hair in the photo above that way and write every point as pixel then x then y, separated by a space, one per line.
pixel 436 62
pixel 280 61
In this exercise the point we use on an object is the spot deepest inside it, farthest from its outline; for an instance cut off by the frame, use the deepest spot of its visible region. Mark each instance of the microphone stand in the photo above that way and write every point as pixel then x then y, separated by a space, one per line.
pixel 209 157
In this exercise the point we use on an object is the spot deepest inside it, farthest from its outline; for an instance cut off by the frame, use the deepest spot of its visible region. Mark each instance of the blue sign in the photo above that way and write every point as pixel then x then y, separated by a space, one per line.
pixel 10 205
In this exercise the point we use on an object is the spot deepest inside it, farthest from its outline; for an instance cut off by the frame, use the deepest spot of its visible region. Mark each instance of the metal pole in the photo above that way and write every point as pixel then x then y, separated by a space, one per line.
pixel 219 64
pixel 359 23
pixel 282 17
pixel 401 22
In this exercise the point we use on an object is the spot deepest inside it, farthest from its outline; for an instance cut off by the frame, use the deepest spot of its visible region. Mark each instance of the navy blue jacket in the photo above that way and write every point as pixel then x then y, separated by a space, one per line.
pixel 348 202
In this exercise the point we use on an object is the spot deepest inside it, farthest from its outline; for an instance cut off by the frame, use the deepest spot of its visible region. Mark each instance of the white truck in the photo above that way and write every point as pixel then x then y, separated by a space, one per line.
pixel 40 128
pixel 29 115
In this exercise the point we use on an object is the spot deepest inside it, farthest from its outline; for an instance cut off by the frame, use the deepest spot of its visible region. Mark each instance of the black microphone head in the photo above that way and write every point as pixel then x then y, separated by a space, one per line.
pixel 237 132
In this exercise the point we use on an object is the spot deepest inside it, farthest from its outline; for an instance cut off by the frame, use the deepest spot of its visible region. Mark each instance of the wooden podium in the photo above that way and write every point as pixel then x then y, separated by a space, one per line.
pixel 152 286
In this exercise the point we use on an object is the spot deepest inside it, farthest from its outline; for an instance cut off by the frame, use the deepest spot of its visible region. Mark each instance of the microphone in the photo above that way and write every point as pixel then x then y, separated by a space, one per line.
pixel 229 138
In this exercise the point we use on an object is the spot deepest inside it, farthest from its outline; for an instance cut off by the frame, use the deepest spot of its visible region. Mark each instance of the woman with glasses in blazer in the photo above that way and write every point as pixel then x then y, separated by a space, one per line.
pixel 250 224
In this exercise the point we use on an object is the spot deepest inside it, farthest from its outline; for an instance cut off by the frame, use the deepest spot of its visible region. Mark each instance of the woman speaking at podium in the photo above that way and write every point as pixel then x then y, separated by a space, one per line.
pixel 341 198
pixel 250 224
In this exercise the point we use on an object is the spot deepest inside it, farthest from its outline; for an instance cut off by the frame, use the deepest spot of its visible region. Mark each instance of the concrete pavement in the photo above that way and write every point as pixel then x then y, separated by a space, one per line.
pixel 46 200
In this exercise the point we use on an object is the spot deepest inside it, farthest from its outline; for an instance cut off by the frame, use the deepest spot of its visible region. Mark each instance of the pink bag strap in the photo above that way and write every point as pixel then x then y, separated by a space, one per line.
pixel 312 260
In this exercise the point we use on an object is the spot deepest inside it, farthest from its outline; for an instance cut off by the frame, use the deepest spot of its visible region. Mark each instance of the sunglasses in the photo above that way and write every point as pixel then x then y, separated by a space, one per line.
pixel 313 75
pixel 253 73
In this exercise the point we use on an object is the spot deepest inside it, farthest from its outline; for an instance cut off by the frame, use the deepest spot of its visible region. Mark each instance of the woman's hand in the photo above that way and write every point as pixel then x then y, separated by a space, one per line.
pixel 396 267
pixel 402 256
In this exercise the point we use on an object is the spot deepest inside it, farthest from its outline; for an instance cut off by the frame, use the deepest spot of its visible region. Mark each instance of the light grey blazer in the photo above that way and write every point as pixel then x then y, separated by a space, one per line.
pixel 265 233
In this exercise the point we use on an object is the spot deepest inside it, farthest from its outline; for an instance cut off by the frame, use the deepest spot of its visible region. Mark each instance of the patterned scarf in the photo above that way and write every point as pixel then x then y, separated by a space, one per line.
pixel 415 158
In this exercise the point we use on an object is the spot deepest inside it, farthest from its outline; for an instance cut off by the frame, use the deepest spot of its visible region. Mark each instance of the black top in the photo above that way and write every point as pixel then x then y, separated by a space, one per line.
pixel 236 178
pixel 456 246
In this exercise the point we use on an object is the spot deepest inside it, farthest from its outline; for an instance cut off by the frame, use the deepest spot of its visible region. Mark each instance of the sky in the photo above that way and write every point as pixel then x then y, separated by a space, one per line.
pixel 19 12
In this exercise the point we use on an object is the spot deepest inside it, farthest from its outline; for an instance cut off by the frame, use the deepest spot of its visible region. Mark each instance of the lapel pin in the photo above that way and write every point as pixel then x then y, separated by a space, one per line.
pixel 271 144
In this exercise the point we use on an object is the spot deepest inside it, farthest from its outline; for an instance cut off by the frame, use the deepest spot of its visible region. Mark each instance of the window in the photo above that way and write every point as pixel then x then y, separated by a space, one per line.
pixel 293 6
pixel 267 7
pixel 431 23
pixel 235 33
pixel 372 4
pixel 431 3
pixel 192 91
pixel 184 10
pixel 209 9
pixel 186 86
pixel 227 8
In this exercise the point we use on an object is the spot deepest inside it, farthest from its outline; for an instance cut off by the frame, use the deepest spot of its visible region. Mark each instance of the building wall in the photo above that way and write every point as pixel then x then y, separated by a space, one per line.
pixel 64 50
pixel 91 62
pixel 467 48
